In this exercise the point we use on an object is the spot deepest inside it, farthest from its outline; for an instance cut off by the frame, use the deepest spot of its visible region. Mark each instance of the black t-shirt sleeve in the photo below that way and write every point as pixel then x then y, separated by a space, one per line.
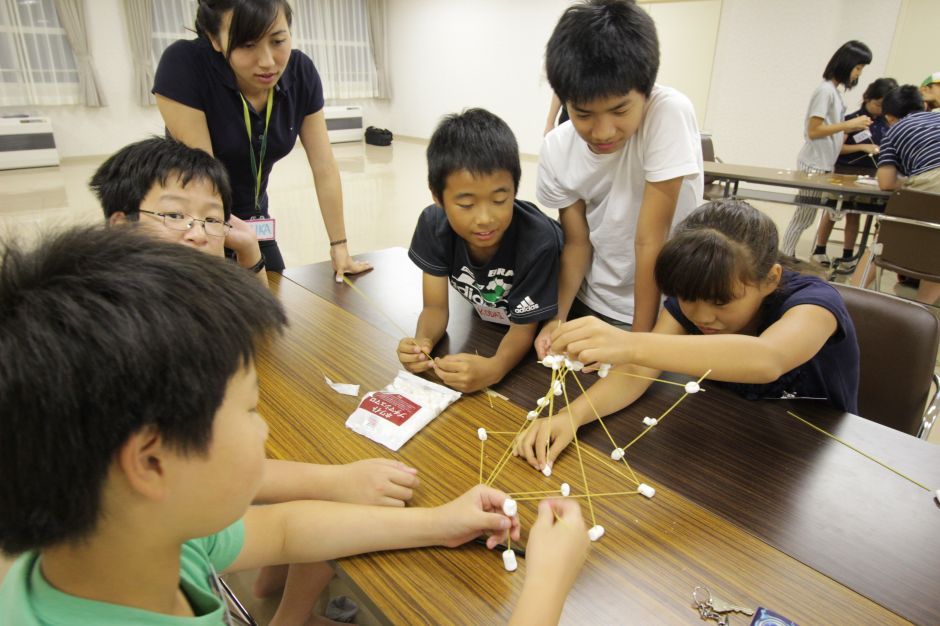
pixel 308 76
pixel 180 74
pixel 823 295
pixel 429 245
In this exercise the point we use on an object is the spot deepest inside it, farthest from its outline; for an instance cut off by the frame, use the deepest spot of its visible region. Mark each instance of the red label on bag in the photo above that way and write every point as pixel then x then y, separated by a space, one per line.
pixel 390 406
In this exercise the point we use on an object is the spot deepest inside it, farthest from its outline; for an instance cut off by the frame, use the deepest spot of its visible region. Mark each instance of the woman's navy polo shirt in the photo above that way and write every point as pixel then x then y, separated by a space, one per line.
pixel 192 73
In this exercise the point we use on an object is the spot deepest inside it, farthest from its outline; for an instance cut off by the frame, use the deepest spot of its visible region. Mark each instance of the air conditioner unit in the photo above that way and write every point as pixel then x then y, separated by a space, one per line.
pixel 343 123
pixel 26 142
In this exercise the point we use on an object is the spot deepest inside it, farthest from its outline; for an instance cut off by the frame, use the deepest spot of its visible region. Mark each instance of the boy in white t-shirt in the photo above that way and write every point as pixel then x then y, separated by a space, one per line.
pixel 624 171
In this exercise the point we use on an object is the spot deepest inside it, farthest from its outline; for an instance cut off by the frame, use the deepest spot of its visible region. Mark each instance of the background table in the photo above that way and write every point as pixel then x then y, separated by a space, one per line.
pixel 749 501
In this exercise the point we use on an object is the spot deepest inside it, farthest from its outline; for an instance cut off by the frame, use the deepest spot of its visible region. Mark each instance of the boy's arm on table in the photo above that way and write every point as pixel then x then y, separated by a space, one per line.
pixel 652 230
pixel 887 176
pixel 789 342
pixel 241 239
pixel 371 481
pixel 470 372
pixel 575 261
pixel 431 325
pixel 310 531
pixel 546 439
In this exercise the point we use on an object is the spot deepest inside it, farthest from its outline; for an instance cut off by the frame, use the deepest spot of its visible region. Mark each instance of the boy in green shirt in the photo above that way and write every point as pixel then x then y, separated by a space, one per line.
pixel 131 447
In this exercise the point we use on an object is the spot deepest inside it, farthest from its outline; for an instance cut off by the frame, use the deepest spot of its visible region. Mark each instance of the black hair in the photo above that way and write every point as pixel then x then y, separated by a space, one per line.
pixel 719 245
pixel 105 332
pixel 250 19
pixel 602 48
pixel 902 101
pixel 476 141
pixel 879 88
pixel 840 66
pixel 122 182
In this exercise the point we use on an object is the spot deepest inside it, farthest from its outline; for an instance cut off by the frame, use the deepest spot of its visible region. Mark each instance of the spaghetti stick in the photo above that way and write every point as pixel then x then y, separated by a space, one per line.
pixel 851 447
pixel 584 495
pixel 380 310
pixel 577 446
pixel 507 454
pixel 482 445
pixel 603 458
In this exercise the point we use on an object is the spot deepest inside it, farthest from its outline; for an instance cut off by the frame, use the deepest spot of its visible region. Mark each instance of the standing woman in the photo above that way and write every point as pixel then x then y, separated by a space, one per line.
pixel 824 130
pixel 238 79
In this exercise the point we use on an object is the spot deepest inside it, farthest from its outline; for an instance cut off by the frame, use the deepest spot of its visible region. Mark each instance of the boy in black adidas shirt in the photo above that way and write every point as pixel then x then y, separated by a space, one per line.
pixel 499 253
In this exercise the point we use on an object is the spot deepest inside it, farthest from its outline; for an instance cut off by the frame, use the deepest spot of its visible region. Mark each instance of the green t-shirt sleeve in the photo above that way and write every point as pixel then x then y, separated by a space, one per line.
pixel 224 547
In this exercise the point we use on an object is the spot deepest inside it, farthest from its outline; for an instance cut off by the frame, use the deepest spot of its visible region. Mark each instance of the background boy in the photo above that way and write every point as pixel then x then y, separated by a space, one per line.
pixel 148 498
pixel 624 171
pixel 930 91
pixel 499 253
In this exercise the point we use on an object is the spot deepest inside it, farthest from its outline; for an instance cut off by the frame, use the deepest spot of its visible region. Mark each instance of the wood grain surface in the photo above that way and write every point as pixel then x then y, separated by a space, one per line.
pixel 655 550
pixel 833 183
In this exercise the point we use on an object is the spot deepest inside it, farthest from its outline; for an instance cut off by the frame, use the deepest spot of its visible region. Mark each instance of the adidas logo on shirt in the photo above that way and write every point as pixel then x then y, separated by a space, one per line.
pixel 525 306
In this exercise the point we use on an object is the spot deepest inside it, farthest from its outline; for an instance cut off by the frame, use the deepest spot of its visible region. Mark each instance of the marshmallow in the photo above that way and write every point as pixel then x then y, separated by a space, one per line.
pixel 692 387
pixel 481 433
pixel 602 373
pixel 646 490
pixel 557 388
pixel 548 360
pixel 565 489
pixel 509 560
pixel 531 415
pixel 547 470
pixel 576 366
pixel 510 507
pixel 650 421
pixel 617 454
pixel 596 532
pixel 542 402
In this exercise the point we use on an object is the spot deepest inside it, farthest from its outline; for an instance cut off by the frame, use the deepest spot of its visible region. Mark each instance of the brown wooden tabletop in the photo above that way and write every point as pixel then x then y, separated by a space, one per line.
pixel 747 465
pixel 833 183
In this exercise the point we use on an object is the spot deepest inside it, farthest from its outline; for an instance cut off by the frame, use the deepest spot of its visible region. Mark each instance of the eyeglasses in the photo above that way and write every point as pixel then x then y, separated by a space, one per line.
pixel 179 221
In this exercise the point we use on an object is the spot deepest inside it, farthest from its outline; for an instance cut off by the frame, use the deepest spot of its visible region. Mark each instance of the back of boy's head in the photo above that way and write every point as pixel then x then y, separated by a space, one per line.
pixel 601 49
pixel 902 101
pixel 122 182
pixel 719 245
pixel 840 66
pixel 879 88
pixel 476 141
pixel 105 332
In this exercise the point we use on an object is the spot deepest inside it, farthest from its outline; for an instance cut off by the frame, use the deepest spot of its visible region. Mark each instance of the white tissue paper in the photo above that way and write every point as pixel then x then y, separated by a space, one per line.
pixel 396 414
pixel 344 388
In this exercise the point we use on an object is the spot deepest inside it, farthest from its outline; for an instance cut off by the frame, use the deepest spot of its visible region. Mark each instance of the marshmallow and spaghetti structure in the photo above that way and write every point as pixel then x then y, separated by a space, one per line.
pixel 561 367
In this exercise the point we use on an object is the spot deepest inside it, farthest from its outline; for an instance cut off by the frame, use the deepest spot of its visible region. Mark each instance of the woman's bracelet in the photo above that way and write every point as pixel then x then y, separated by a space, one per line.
pixel 337 242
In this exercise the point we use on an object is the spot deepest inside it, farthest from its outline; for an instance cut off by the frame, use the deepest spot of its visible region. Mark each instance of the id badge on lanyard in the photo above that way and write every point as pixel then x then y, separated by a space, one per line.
pixel 264 226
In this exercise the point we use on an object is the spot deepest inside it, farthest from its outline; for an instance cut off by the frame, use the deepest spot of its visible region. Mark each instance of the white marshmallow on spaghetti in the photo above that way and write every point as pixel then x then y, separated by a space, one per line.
pixel 692 387
pixel 646 490
pixel 650 421
pixel 547 470
pixel 616 454
pixel 596 532
pixel 565 489
pixel 510 507
pixel 481 433
pixel 509 560
pixel 531 415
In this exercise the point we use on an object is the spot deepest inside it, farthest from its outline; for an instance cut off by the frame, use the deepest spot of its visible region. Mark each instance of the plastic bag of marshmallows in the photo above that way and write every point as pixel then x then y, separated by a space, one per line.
pixel 396 414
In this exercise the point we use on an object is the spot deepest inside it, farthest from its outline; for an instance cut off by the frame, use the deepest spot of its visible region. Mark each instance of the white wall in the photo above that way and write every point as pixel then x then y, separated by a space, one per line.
pixel 83 131
pixel 770 56
pixel 450 55
pixel 916 50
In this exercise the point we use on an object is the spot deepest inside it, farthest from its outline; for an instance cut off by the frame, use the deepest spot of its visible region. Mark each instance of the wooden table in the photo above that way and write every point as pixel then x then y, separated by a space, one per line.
pixel 749 502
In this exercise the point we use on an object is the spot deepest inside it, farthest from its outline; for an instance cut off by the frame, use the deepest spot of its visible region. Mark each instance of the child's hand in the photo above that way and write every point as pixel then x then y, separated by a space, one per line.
pixel 381 482
pixel 241 239
pixel 590 340
pixel 858 123
pixel 557 548
pixel 534 444
pixel 478 511
pixel 466 372
pixel 411 353
pixel 543 341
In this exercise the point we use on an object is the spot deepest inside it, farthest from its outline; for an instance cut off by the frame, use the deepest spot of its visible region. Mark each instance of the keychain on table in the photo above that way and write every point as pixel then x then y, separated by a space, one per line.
pixel 711 607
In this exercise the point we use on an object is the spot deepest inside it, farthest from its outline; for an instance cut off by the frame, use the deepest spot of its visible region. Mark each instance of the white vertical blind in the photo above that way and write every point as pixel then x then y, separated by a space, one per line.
pixel 36 62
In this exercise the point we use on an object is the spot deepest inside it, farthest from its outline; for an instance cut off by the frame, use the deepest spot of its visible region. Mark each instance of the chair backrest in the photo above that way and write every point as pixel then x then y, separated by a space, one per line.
pixel 898 341
pixel 908 248
pixel 708 154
